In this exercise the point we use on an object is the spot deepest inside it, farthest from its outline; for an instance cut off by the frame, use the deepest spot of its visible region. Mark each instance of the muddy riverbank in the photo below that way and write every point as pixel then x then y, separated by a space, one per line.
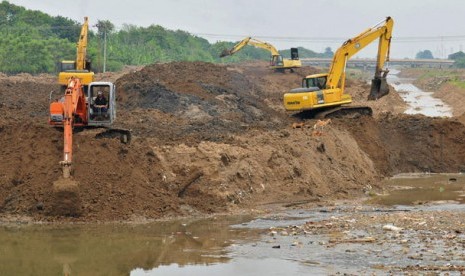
pixel 342 237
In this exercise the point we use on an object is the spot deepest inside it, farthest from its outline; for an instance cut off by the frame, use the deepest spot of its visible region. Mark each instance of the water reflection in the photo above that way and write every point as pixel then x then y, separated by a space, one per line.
pixel 115 249
pixel 238 266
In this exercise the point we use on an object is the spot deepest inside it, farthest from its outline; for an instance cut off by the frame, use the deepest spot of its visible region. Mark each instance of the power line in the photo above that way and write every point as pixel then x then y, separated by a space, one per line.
pixel 400 39
pixel 336 39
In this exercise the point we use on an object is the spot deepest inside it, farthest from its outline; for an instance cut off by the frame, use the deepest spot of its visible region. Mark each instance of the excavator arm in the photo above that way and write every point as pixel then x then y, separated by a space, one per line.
pixel 82 46
pixel 69 112
pixel 80 67
pixel 277 62
pixel 381 31
pixel 250 41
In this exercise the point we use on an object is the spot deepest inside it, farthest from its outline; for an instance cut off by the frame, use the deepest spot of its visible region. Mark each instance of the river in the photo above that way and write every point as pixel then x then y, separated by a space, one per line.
pixel 342 238
pixel 419 101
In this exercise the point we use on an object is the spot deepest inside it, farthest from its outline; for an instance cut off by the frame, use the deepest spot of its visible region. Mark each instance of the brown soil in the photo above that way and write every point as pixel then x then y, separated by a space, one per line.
pixel 208 138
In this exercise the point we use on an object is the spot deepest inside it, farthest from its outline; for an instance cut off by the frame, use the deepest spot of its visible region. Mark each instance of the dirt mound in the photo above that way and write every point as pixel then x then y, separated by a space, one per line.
pixel 391 103
pixel 151 180
pixel 410 143
pixel 461 119
pixel 211 99
pixel 110 174
pixel 122 182
pixel 208 138
pixel 26 98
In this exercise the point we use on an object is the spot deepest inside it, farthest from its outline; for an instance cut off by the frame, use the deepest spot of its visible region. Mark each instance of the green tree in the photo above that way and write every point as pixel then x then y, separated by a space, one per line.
pixel 426 54
pixel 457 55
pixel 459 63
pixel 34 42
pixel 328 53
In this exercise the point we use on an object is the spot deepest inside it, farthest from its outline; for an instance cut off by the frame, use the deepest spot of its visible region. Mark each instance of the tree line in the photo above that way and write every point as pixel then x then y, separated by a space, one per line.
pixel 34 42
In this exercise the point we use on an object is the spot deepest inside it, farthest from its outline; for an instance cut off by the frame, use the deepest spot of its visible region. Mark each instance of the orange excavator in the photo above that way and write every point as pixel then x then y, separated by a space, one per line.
pixel 78 108
pixel 69 113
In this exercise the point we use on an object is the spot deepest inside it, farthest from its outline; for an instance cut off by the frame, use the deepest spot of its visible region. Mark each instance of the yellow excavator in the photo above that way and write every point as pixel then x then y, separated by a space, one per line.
pixel 325 92
pixel 277 62
pixel 81 67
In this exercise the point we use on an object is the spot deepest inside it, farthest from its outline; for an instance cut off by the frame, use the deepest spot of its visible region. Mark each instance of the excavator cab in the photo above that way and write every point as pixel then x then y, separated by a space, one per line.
pixel 317 80
pixel 101 112
pixel 276 61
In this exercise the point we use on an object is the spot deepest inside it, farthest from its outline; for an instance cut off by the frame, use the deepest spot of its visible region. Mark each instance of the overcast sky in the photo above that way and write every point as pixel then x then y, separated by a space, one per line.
pixel 284 23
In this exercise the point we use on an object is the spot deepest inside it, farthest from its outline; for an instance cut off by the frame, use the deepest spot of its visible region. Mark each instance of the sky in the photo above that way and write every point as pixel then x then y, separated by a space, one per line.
pixel 438 26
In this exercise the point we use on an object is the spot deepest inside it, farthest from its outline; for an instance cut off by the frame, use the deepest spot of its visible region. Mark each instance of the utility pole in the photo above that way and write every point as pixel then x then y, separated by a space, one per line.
pixel 104 50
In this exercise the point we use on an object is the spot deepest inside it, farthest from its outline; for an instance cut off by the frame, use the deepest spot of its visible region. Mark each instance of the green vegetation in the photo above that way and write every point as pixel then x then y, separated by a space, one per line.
pixel 459 58
pixel 31 41
pixel 427 73
pixel 426 54
pixel 34 42
pixel 459 83
pixel 438 76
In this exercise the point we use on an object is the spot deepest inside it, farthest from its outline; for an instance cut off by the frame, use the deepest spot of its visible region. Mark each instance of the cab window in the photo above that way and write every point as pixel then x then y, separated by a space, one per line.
pixel 319 82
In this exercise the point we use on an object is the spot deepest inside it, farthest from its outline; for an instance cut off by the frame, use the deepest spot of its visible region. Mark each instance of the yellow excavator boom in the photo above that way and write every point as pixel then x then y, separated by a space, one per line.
pixel 82 46
pixel 277 61
pixel 354 45
pixel 80 67
pixel 251 41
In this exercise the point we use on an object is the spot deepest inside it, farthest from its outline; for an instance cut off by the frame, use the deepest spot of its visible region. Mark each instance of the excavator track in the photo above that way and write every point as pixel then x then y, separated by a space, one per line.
pixel 345 112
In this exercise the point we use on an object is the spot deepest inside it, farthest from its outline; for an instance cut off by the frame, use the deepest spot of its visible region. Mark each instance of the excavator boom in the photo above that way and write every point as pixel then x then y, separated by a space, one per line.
pixel 250 41
pixel 277 61
pixel 349 48
pixel 82 46
pixel 69 112
pixel 80 67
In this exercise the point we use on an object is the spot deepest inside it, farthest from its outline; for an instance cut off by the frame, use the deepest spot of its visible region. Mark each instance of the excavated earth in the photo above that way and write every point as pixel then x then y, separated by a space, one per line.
pixel 209 138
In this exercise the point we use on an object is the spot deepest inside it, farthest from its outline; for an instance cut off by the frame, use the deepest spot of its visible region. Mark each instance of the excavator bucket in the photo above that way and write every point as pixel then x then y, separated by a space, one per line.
pixel 225 52
pixel 379 88
pixel 65 198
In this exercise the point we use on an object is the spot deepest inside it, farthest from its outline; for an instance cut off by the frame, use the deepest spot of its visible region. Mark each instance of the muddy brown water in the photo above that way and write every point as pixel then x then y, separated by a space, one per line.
pixel 112 249
pixel 239 245
pixel 417 189
pixel 214 246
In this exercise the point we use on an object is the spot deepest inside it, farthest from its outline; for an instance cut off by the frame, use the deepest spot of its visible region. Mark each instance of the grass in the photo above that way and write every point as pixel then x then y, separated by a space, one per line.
pixel 458 83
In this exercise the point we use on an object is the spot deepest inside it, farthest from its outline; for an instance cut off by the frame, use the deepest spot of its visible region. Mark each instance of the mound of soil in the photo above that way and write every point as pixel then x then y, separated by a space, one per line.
pixel 207 138
pixel 411 143
pixel 211 100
